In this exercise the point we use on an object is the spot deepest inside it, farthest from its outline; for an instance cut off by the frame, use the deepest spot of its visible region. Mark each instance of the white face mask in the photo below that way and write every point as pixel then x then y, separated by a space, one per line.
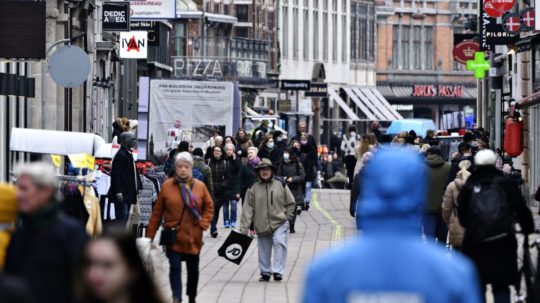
pixel 286 156
pixel 270 145
pixel 353 134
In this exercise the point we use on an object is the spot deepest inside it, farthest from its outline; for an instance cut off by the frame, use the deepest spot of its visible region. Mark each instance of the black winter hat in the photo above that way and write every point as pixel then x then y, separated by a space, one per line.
pixel 198 152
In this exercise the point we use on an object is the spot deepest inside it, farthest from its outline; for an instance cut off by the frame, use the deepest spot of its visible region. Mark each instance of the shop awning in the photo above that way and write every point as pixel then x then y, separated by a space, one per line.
pixel 216 18
pixel 350 113
pixel 372 103
pixel 187 9
pixel 54 142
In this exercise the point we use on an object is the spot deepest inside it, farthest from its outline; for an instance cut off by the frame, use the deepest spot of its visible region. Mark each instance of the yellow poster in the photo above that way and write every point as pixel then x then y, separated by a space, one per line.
pixel 82 161
pixel 56 160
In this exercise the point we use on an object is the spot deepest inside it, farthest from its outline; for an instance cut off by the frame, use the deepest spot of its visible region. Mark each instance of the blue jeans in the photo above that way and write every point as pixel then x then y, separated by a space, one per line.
pixel 229 216
pixel 175 274
pixel 121 211
pixel 435 228
pixel 307 198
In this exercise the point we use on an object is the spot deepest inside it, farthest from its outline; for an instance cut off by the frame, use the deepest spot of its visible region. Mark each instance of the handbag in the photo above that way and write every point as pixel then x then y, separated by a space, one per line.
pixel 168 235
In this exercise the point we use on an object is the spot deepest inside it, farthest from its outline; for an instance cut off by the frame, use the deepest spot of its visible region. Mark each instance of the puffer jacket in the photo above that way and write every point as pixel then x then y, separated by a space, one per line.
pixel 295 170
pixel 220 171
pixel 449 211
pixel 268 205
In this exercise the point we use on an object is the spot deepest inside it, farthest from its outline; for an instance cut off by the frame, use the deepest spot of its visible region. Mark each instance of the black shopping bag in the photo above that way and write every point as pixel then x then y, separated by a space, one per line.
pixel 235 247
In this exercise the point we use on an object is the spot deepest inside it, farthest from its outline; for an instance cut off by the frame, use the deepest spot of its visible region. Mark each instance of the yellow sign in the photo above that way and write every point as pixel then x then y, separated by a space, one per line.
pixel 56 160
pixel 82 161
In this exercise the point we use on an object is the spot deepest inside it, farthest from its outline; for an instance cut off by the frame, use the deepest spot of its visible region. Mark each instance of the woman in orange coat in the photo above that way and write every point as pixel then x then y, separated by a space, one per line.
pixel 192 218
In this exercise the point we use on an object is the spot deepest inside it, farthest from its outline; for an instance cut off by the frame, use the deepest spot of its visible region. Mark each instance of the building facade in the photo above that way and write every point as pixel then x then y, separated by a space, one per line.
pixel 416 71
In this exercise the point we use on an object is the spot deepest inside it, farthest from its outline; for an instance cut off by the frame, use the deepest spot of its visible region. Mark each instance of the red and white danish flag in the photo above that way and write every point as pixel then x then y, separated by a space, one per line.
pixel 527 17
pixel 511 24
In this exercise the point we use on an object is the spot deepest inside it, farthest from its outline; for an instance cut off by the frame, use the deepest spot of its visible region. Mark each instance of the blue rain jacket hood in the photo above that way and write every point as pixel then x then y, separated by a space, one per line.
pixel 389 262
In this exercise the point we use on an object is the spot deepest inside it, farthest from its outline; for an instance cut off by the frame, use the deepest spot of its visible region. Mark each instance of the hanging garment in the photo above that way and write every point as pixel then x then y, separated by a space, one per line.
pixel 147 195
pixel 94 226
pixel 73 204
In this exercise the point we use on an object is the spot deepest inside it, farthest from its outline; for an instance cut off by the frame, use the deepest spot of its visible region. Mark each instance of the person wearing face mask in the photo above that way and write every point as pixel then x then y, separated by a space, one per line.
pixel 184 203
pixel 246 177
pixel 291 171
pixel 280 140
pixel 348 146
pixel 230 202
pixel 269 150
pixel 125 180
pixel 220 174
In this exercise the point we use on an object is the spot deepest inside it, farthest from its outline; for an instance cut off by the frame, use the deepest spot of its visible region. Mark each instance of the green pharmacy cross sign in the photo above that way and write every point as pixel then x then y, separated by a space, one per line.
pixel 479 65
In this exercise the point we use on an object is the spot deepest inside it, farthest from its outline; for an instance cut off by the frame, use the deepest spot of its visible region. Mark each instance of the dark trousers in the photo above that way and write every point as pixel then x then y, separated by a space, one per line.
pixel 175 274
pixel 121 212
pixel 350 163
pixel 217 208
pixel 435 228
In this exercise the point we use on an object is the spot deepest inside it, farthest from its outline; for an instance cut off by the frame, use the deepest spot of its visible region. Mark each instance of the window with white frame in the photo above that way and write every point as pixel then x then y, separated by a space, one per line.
pixel 354 33
pixel 315 35
pixel 344 38
pixel 285 31
pixel 428 47
pixel 395 46
pixel 296 30
pixel 371 33
pixel 412 47
pixel 334 37
pixel 305 32
pixel 325 36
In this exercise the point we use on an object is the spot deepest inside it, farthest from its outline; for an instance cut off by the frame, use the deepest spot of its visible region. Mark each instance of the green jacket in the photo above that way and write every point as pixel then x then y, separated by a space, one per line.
pixel 198 162
pixel 438 171
pixel 268 204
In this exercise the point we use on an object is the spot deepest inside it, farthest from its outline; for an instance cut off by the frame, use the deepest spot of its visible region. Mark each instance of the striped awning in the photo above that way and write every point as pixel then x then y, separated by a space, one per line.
pixel 372 103
pixel 342 104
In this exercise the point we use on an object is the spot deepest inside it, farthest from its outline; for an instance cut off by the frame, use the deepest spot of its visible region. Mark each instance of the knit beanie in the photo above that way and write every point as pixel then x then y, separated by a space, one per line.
pixel 198 152
pixel 8 203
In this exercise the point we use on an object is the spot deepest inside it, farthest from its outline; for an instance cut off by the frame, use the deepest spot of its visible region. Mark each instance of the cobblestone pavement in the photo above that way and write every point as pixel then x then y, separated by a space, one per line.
pixel 326 224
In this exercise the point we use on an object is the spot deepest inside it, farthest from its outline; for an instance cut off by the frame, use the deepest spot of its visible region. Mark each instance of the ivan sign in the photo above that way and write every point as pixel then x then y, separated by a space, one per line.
pixel 134 45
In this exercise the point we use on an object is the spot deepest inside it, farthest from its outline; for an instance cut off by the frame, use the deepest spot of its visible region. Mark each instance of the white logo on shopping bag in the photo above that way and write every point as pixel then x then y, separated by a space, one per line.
pixel 234 251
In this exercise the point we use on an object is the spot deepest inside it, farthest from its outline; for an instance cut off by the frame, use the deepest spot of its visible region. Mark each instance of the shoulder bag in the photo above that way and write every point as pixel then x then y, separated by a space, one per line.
pixel 168 235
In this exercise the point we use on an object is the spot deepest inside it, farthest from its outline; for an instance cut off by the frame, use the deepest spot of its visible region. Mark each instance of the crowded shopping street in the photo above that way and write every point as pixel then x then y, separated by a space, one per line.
pixel 257 151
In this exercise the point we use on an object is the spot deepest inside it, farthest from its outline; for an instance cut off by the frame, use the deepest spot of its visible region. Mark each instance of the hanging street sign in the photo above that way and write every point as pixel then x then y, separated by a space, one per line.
pixel 490 9
pixel 465 50
pixel 116 16
pixel 134 45
pixel 512 24
pixel 528 19
pixel 479 65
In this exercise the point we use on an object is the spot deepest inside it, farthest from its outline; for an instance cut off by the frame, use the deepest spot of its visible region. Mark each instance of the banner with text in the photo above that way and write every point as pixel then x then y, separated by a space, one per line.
pixel 199 106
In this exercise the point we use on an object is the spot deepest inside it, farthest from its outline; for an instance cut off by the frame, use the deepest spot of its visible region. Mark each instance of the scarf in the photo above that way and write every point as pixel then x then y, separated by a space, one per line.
pixel 255 162
pixel 190 200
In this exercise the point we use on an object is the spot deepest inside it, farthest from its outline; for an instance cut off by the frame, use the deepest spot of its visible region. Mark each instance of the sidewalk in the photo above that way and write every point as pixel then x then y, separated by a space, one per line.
pixel 326 224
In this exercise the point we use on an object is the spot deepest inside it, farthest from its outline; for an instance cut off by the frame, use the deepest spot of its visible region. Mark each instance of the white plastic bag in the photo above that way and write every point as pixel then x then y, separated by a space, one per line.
pixel 157 264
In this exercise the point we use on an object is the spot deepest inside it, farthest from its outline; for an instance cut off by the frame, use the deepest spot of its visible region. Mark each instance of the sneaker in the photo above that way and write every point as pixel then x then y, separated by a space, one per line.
pixel 214 234
pixel 227 225
pixel 233 224
pixel 278 277
pixel 264 278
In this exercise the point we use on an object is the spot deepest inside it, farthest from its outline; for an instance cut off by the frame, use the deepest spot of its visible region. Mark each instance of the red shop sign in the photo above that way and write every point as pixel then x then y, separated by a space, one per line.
pixel 465 51
pixel 490 9
pixel 503 5
pixel 447 91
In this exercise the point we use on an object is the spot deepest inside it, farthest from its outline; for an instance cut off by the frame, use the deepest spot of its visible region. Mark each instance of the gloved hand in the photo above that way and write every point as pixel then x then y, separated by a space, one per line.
pixel 119 198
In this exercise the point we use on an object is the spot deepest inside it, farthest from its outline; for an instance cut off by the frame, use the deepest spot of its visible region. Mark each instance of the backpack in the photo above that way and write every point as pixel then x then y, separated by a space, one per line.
pixel 490 213
pixel 198 174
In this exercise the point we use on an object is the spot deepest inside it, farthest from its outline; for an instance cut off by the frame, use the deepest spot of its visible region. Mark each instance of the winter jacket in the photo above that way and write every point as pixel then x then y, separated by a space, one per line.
pixel 245 178
pixel 268 205
pixel 438 174
pixel 496 260
pixel 14 290
pixel 124 177
pixel 348 145
pixel 390 262
pixel 198 162
pixel 272 154
pixel 295 170
pixel 169 207
pixel 234 165
pixel 309 156
pixel 220 172
pixel 45 252
pixel 449 211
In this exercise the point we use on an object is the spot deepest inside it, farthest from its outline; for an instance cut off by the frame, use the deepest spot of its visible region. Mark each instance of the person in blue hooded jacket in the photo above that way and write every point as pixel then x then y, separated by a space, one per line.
pixel 390 262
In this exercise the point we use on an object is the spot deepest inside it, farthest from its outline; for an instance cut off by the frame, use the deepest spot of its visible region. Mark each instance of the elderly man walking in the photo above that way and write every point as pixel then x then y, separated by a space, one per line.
pixel 270 205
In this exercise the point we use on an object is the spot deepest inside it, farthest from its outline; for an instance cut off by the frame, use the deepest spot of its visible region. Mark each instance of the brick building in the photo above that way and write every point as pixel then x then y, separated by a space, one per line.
pixel 416 72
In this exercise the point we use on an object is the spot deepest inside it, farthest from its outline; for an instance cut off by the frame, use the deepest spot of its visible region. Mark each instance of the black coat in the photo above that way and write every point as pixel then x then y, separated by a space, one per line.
pixel 45 251
pixel 495 260
pixel 14 290
pixel 124 178
pixel 220 173
pixel 245 178
pixel 295 170
pixel 273 155
pixel 230 184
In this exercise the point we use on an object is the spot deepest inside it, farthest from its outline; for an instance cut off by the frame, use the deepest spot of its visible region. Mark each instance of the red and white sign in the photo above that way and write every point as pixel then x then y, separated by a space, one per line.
pixel 527 17
pixel 448 91
pixel 134 45
pixel 512 24
pixel 465 51
pixel 503 5
pixel 490 9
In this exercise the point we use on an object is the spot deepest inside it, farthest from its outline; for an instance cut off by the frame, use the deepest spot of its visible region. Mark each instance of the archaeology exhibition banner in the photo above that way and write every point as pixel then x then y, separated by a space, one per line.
pixel 198 107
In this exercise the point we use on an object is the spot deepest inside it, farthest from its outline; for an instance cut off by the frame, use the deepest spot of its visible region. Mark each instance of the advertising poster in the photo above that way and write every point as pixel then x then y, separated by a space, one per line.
pixel 153 9
pixel 199 107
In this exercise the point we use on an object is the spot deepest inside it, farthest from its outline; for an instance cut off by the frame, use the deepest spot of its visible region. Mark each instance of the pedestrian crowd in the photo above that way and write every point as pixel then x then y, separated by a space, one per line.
pixel 410 203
